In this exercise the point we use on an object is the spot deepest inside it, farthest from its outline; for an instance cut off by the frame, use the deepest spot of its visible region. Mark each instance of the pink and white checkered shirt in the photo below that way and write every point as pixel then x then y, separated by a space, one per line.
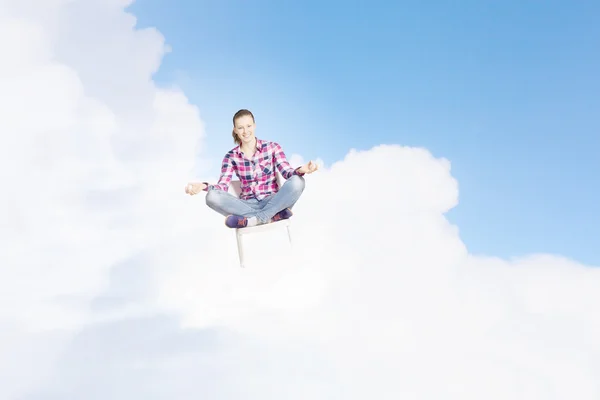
pixel 257 175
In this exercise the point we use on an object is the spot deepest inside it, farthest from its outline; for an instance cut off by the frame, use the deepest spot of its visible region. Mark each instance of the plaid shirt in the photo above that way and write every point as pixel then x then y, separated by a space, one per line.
pixel 257 175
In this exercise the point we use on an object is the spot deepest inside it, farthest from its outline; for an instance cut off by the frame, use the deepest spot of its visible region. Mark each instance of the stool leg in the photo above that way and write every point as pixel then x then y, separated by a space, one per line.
pixel 240 246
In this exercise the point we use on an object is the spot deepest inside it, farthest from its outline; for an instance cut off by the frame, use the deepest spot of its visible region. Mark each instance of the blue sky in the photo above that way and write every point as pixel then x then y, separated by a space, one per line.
pixel 507 92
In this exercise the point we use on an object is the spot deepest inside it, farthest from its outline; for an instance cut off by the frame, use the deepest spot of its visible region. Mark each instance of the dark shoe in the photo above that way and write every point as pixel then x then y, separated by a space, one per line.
pixel 236 221
pixel 283 214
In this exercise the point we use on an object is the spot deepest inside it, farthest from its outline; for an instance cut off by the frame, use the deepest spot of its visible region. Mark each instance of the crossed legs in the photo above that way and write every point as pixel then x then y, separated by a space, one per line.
pixel 263 210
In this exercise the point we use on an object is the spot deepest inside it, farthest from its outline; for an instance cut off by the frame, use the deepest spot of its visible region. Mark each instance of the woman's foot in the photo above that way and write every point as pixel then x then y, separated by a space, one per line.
pixel 237 221
pixel 283 214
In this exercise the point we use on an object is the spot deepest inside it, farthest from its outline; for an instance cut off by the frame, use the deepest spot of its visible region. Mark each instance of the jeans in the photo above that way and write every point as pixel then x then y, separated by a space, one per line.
pixel 227 204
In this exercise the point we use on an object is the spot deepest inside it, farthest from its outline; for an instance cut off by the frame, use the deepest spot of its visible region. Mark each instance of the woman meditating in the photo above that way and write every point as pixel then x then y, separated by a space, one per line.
pixel 254 162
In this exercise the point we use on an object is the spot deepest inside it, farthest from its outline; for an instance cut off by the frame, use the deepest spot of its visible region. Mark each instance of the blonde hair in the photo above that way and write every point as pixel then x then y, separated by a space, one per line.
pixel 239 114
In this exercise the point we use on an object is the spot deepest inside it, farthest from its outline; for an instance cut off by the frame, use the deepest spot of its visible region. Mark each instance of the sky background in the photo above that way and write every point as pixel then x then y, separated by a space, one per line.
pixel 121 286
pixel 506 91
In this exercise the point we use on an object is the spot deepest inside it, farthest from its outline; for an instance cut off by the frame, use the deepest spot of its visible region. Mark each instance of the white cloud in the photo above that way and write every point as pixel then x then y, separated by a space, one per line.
pixel 114 284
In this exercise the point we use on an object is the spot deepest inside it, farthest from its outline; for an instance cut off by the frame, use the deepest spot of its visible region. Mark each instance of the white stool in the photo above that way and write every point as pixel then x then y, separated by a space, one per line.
pixel 235 188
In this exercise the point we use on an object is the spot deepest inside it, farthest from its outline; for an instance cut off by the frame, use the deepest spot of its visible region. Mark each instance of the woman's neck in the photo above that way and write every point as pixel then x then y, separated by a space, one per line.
pixel 249 148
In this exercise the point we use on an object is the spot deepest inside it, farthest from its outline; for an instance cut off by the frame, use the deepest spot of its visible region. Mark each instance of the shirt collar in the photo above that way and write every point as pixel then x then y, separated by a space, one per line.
pixel 259 146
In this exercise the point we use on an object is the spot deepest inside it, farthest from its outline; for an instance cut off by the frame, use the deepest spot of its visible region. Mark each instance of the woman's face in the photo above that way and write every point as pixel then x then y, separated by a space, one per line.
pixel 244 129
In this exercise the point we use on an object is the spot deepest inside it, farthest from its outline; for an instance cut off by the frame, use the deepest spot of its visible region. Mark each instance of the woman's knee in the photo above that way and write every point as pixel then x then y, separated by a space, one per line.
pixel 297 183
pixel 212 198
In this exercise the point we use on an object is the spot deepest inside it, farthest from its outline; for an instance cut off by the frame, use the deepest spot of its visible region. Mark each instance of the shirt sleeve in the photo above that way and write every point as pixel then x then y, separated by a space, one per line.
pixel 282 163
pixel 226 175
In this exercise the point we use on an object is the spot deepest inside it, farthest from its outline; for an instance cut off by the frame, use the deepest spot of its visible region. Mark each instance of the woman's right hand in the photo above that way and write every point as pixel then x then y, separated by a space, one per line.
pixel 193 188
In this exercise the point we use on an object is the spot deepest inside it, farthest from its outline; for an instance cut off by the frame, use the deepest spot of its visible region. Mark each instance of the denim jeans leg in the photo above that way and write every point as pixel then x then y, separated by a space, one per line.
pixel 227 204
pixel 286 197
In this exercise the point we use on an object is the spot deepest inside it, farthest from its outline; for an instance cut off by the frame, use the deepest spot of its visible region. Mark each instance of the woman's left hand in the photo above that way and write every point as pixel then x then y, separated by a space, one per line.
pixel 308 168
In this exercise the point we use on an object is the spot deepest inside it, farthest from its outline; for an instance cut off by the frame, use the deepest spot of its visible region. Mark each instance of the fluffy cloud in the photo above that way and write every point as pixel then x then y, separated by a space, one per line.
pixel 117 285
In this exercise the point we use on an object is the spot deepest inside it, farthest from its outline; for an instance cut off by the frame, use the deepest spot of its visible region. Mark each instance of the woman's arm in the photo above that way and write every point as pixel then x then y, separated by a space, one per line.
pixel 227 170
pixel 282 163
